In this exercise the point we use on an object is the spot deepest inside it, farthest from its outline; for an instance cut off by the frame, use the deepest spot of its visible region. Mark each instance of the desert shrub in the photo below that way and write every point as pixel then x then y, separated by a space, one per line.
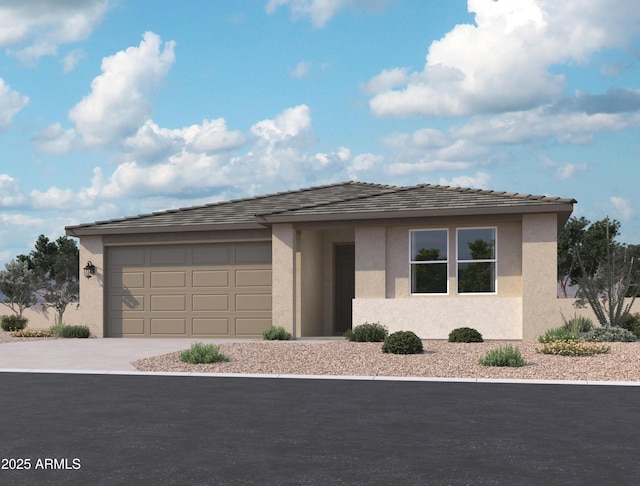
pixel 13 323
pixel 573 348
pixel 610 335
pixel 402 342
pixel 578 324
pixel 465 335
pixel 367 332
pixel 276 333
pixel 74 332
pixel 35 333
pixel 201 353
pixel 503 356
pixel 557 334
pixel 632 323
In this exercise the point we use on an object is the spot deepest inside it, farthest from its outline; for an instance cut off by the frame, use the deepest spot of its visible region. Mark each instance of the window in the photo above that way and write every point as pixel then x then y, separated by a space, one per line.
pixel 476 260
pixel 429 261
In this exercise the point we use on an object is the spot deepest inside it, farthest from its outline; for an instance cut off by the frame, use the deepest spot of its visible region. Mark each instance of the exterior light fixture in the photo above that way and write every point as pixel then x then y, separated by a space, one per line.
pixel 89 269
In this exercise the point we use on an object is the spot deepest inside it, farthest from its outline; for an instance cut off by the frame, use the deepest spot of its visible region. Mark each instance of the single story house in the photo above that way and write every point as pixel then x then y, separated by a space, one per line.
pixel 318 261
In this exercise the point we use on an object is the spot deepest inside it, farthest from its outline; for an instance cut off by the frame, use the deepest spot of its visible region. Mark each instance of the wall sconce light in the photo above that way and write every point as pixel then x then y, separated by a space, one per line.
pixel 89 270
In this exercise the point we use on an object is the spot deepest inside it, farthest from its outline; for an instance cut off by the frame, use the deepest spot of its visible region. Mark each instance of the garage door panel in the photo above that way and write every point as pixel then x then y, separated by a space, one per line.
pixel 219 303
pixel 127 256
pixel 210 278
pixel 168 256
pixel 212 255
pixel 253 253
pixel 253 302
pixel 168 279
pixel 170 303
pixel 127 280
pixel 126 327
pixel 253 278
pixel 168 326
pixel 126 303
pixel 216 327
pixel 251 327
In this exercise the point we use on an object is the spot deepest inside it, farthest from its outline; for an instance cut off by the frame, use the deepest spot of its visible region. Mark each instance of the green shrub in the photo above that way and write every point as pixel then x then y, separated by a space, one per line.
pixel 632 323
pixel 578 324
pixel 74 332
pixel 276 333
pixel 13 323
pixel 201 353
pixel 402 342
pixel 503 356
pixel 57 329
pixel 573 348
pixel 465 335
pixel 557 334
pixel 610 335
pixel 36 333
pixel 367 332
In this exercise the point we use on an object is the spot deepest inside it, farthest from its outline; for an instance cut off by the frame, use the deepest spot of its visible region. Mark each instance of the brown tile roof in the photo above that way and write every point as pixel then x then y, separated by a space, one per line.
pixel 348 200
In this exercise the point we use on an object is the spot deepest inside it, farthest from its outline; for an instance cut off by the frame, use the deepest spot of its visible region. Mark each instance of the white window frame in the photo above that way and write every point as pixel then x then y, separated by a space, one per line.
pixel 493 260
pixel 437 262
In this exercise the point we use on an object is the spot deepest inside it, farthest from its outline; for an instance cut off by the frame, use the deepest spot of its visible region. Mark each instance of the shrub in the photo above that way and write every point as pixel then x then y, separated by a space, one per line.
pixel 402 342
pixel 65 331
pixel 201 353
pixel 35 333
pixel 578 324
pixel 367 332
pixel 503 356
pixel 276 333
pixel 13 323
pixel 632 323
pixel 610 335
pixel 557 334
pixel 465 335
pixel 573 348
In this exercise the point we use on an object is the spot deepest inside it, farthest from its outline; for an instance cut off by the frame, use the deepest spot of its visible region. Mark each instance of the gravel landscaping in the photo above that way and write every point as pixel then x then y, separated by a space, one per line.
pixel 439 359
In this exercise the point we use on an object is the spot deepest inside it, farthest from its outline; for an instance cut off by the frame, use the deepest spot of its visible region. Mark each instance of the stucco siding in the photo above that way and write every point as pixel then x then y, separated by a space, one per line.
pixel 370 262
pixel 311 288
pixel 435 317
pixel 283 259
pixel 91 307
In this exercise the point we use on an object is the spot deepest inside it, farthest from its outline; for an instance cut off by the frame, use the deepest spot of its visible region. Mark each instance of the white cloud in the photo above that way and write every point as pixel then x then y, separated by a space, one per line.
pixel 623 208
pixel 71 59
pixel 480 181
pixel 36 28
pixel 301 70
pixel 503 61
pixel 11 102
pixel 55 140
pixel 10 193
pixel 567 171
pixel 321 11
pixel 117 105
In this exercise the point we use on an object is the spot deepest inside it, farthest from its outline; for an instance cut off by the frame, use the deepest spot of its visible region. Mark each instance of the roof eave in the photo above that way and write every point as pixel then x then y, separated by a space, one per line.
pixel 93 230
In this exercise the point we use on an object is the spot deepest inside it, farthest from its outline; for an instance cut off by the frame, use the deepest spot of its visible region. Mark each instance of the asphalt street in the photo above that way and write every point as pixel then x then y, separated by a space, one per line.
pixel 162 430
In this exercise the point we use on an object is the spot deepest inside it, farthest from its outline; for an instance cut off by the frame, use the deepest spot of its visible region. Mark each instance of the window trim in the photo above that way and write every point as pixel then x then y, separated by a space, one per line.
pixel 494 260
pixel 436 262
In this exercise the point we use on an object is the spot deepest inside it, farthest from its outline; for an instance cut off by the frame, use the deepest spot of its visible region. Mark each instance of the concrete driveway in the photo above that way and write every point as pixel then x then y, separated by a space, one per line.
pixel 87 354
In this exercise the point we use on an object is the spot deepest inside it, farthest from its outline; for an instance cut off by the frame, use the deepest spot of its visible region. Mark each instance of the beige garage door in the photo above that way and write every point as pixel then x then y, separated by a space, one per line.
pixel 204 290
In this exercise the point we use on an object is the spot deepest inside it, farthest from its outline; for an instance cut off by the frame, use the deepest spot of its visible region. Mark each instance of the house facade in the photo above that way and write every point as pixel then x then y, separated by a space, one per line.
pixel 318 261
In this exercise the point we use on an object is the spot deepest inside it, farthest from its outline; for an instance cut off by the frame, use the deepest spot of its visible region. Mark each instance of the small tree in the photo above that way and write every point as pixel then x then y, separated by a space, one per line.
pixel 57 265
pixel 18 283
pixel 607 289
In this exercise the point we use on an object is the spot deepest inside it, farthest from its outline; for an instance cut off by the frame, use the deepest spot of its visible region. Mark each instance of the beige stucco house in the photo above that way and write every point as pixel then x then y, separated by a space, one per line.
pixel 318 261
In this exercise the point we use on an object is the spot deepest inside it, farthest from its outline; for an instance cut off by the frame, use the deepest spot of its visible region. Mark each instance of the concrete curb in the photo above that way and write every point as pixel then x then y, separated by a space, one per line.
pixel 326 377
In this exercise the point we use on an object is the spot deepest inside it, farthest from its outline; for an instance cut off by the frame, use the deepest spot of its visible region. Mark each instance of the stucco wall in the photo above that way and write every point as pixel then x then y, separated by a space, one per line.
pixel 435 317
pixel 43 319
pixel 311 277
pixel 283 260
pixel 92 289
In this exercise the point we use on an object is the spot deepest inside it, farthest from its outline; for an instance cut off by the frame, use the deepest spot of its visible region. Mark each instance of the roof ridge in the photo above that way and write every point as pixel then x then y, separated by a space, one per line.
pixel 237 200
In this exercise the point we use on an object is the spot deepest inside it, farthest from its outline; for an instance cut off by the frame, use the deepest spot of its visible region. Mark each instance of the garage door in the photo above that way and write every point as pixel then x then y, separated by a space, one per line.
pixel 204 290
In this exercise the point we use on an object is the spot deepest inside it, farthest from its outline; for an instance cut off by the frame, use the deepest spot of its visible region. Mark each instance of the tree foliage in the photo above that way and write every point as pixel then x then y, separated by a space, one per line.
pixel 607 287
pixel 56 263
pixel 586 242
pixel 18 283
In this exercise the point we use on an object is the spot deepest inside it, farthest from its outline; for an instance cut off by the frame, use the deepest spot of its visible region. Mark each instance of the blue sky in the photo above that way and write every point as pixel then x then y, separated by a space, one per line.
pixel 111 108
